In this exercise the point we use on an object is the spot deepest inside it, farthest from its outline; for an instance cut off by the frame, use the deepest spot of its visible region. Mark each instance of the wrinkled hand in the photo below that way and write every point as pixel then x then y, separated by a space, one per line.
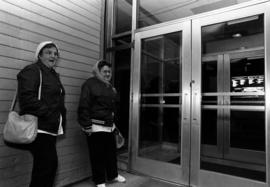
pixel 88 130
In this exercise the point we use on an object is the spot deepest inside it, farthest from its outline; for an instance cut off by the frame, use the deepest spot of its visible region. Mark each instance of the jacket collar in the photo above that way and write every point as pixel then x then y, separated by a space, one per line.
pixel 45 68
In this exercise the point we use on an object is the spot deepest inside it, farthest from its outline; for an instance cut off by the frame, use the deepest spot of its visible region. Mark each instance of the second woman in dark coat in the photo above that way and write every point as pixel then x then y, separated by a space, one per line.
pixel 96 116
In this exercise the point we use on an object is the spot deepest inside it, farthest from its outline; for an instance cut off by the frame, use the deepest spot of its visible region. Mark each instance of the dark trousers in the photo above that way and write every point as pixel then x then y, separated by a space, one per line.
pixel 102 150
pixel 45 160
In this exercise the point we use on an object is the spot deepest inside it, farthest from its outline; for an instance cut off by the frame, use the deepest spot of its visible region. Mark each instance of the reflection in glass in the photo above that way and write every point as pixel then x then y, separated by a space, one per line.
pixel 160 64
pixel 209 100
pixel 158 11
pixel 237 34
pixel 247 130
pixel 160 112
pixel 232 113
pixel 247 76
pixel 209 127
pixel 209 76
pixel 150 80
pixel 122 83
pixel 160 134
pixel 122 41
pixel 123 12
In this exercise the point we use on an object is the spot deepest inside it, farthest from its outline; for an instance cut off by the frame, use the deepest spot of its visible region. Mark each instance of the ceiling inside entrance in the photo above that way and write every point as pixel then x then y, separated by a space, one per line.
pixel 233 29
pixel 158 11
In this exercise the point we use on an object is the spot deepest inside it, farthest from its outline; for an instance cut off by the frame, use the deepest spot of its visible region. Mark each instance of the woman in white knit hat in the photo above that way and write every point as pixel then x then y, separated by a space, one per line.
pixel 49 109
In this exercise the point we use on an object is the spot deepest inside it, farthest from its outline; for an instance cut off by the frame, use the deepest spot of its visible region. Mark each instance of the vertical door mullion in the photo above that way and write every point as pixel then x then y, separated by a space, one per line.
pixel 195 103
pixel 161 90
pixel 181 104
pixel 267 91
pixel 186 99
pixel 227 122
pixel 136 99
pixel 220 110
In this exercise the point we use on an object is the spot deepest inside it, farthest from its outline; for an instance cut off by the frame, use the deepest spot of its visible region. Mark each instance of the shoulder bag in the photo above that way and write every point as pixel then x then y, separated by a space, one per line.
pixel 21 129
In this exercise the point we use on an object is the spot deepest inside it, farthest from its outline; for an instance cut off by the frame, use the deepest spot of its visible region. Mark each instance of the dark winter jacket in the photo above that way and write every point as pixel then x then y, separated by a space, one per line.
pixel 98 101
pixel 51 105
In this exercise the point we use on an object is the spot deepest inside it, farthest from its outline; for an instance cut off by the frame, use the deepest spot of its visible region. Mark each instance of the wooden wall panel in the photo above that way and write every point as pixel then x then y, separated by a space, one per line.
pixel 76 27
pixel 43 30
pixel 18 9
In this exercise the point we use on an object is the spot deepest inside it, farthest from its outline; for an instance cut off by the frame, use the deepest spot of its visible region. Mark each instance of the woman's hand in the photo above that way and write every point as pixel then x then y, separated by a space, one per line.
pixel 88 130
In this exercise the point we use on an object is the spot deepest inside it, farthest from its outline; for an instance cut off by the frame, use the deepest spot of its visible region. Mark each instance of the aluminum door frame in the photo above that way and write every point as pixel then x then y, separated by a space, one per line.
pixel 198 176
pixel 166 171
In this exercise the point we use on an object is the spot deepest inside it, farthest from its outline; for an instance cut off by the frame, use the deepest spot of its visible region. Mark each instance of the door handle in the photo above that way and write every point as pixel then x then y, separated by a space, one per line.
pixel 184 106
pixel 194 106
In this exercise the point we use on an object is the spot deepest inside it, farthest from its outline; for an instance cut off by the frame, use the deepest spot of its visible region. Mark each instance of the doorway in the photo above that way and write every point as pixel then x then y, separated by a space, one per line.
pixel 199 111
pixel 162 141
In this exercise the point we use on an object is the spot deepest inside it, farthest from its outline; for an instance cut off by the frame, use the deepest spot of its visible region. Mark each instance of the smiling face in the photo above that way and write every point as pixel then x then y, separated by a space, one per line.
pixel 49 56
pixel 106 73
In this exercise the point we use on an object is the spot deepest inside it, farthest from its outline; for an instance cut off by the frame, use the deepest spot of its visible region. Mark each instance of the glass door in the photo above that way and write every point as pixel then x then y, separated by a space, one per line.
pixel 229 130
pixel 161 103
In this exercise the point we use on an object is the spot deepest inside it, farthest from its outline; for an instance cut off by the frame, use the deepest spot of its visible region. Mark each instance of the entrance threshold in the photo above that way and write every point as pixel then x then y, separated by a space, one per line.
pixel 133 180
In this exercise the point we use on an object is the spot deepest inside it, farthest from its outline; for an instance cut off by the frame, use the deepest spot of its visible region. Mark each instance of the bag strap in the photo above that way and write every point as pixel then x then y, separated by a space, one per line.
pixel 40 84
pixel 14 100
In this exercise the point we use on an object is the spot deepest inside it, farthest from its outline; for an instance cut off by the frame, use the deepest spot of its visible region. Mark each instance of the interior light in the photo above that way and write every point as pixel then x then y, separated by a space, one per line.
pixel 242 20
pixel 237 35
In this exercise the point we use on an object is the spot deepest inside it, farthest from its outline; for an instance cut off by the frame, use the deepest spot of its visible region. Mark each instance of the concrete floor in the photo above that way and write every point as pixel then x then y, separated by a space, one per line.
pixel 132 181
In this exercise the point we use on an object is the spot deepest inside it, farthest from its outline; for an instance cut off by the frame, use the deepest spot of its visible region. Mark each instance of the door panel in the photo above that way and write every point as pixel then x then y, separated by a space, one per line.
pixel 161 97
pixel 229 69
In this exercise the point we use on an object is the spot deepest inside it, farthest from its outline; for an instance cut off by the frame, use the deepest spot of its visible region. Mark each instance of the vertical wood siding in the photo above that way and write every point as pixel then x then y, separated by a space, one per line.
pixel 76 27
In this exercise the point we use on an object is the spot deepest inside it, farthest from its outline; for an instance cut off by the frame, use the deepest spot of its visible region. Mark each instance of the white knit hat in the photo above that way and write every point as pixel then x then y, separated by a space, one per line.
pixel 40 46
